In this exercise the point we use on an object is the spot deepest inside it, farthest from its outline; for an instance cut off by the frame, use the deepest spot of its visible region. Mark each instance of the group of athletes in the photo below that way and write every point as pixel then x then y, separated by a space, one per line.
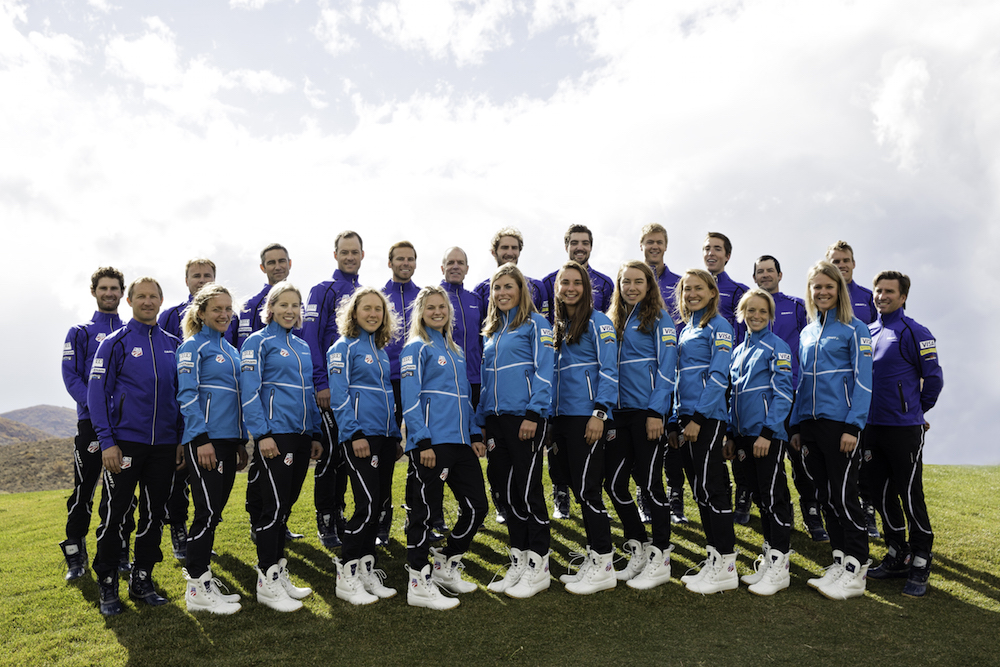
pixel 612 379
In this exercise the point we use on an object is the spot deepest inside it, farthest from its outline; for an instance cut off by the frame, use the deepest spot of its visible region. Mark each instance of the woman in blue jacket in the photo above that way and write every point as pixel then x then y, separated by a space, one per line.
pixel 444 446
pixel 647 368
pixel 363 406
pixel 831 409
pixel 761 378
pixel 279 409
pixel 513 406
pixel 586 389
pixel 208 390
pixel 704 350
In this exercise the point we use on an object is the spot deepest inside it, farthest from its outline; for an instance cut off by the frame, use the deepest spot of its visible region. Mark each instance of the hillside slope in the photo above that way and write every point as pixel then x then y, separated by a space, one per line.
pixel 56 421
pixel 12 431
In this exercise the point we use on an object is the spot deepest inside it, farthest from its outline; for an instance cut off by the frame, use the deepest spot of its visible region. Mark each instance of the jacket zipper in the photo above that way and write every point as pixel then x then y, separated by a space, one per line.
pixel 156 390
pixel 847 394
pixel 902 401
pixel 590 386
pixel 208 407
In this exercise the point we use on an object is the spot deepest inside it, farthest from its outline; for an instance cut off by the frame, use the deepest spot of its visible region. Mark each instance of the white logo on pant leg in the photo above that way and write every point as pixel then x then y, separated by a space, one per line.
pixel 126 462
pixel 289 458
pixel 219 467
pixel 444 474
pixel 612 434
pixel 491 444
pixel 375 461
pixel 93 447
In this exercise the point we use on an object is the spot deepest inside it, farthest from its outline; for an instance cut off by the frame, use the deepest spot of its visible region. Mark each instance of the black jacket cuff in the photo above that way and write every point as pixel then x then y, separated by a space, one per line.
pixel 533 417
pixel 424 444
pixel 357 435
pixel 767 433
pixel 200 440
pixel 699 419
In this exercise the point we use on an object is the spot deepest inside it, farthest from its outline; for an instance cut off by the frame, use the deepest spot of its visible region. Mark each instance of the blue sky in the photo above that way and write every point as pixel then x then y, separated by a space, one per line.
pixel 140 134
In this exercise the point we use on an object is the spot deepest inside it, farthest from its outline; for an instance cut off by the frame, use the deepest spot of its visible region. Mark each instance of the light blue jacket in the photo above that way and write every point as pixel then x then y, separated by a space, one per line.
pixel 360 388
pixel 647 365
pixel 208 388
pixel 761 376
pixel 703 356
pixel 587 370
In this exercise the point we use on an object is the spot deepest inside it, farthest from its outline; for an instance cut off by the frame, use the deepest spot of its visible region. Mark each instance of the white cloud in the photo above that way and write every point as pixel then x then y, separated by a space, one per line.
pixel 330 31
pixel 260 82
pixel 102 5
pixel 463 29
pixel 151 59
pixel 314 95
pixel 252 5
pixel 898 107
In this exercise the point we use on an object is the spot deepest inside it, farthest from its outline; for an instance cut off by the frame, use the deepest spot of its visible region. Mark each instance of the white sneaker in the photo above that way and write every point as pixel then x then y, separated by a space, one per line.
pixel 423 592
pixel 656 572
pixel 201 596
pixel 350 588
pixel 759 567
pixel 638 557
pixel 372 578
pixel 448 573
pixel 579 560
pixel 721 576
pixel 271 593
pixel 535 577
pixel 217 587
pixel 832 573
pixel 776 578
pixel 703 567
pixel 293 591
pixel 850 584
pixel 600 576
pixel 514 572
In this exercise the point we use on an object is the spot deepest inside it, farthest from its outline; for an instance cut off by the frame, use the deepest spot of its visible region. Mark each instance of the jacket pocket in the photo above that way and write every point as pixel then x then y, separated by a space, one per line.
pixel 590 386
pixel 121 409
pixel 527 381
pixel 847 395
pixel 357 400
pixel 766 406
pixel 652 379
pixel 208 406
pixel 270 406
pixel 902 401
pixel 427 413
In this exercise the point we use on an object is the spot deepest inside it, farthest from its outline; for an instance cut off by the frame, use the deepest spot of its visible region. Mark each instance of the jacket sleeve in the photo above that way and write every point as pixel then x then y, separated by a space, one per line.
pixel 411 372
pixel 543 360
pixel 74 362
pixel 251 374
pixel 717 384
pixel 607 359
pixel 781 387
pixel 339 369
pixel 315 325
pixel 188 386
pixel 924 351
pixel 665 339
pixel 101 388
pixel 861 365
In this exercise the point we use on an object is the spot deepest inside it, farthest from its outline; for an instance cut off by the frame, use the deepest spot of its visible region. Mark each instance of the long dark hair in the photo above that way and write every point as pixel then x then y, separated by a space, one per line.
pixel 571 329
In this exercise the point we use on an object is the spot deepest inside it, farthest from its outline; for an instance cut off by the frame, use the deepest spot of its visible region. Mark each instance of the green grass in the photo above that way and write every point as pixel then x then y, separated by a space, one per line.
pixel 44 620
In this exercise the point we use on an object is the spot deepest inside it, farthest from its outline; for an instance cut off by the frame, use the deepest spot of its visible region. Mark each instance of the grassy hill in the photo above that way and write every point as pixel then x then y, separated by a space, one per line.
pixel 53 420
pixel 46 621
pixel 12 431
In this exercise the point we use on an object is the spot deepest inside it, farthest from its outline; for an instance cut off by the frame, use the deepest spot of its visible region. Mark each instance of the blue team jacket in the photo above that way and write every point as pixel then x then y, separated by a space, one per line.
pixel 469 314
pixel 319 320
pixel 761 377
pixel 789 321
pixel 401 295
pixel 730 293
pixel 132 392
pixel 835 373
pixel 78 354
pixel 861 301
pixel 703 356
pixel 208 388
pixel 170 319
pixel 905 353
pixel 360 388
pixel 647 365
pixel 587 371
pixel 276 384
pixel 437 405
pixel 517 370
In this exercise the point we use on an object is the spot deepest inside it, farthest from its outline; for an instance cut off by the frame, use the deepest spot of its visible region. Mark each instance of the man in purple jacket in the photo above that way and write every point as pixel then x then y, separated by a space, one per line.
pixel 107 286
pixel 506 247
pixel 906 383
pixel 319 329
pixel 276 265
pixel 789 320
pixel 132 396
pixel 401 292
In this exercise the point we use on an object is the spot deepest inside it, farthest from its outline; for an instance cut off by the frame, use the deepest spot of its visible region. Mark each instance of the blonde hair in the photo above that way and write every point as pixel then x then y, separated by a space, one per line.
pixel 347 317
pixel 711 310
pixel 418 330
pixel 741 307
pixel 845 311
pixel 192 322
pixel 272 298
pixel 650 307
pixel 525 307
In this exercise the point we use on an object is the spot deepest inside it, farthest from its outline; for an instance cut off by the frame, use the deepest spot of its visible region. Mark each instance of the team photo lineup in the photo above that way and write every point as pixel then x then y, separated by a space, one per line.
pixel 644 377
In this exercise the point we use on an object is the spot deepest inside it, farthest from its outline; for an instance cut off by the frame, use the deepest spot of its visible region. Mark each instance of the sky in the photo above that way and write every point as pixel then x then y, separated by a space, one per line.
pixel 142 134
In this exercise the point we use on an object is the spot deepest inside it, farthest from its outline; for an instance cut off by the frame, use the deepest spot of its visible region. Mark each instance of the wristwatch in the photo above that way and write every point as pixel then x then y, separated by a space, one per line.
pixel 601 414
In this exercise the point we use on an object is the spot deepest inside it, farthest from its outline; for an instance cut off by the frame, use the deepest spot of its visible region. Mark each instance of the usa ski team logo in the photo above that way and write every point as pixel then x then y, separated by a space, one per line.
pixel 444 474
pixel 868 455
pixel 612 434
pixel 93 447
pixel 369 359
pixel 375 461
pixel 283 352
pixel 99 337
pixel 219 467
pixel 442 361
pixel 126 462
pixel 491 444
pixel 289 458
pixel 220 359
pixel 136 352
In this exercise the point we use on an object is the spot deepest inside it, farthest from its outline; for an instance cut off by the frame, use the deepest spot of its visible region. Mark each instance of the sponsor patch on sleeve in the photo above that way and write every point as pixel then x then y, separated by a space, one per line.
pixel 668 335
pixel 928 347
pixel 865 347
pixel 548 338
pixel 784 361
pixel 607 333
pixel 247 354
pixel 406 366
pixel 723 341
pixel 184 356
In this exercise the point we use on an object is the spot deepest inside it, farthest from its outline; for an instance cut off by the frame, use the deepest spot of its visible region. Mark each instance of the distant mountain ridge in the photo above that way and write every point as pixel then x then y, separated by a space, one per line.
pixel 44 422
